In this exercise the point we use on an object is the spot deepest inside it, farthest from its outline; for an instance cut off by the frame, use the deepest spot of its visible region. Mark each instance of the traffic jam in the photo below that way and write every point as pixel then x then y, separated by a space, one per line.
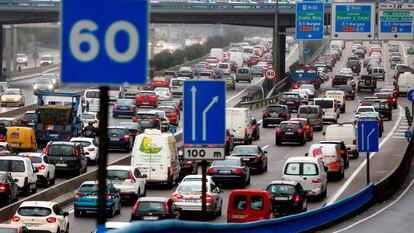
pixel 58 140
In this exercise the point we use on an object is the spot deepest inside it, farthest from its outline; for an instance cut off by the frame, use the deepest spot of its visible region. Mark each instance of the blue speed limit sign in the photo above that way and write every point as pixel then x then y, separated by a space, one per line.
pixel 104 42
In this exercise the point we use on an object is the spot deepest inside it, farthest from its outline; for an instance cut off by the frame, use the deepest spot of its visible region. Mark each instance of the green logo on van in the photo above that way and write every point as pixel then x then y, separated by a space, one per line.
pixel 148 147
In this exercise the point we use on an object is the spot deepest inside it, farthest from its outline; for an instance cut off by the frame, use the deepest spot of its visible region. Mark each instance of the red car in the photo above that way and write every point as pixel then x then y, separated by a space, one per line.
pixel 159 82
pixel 249 206
pixel 171 114
pixel 253 60
pixel 307 126
pixel 146 98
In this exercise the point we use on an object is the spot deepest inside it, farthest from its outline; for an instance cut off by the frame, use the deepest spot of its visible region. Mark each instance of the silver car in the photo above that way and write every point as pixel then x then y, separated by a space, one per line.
pixel 187 197
pixel 243 74
pixel 43 84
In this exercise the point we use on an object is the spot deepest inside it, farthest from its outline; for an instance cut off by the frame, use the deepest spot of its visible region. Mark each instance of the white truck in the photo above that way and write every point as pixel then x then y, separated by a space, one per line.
pixel 238 122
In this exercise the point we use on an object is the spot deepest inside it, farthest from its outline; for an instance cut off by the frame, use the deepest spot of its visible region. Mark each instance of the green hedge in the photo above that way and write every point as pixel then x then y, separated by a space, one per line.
pixel 167 59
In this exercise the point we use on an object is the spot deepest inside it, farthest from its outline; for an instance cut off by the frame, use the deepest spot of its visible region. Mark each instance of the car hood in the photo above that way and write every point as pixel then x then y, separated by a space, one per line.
pixel 10 97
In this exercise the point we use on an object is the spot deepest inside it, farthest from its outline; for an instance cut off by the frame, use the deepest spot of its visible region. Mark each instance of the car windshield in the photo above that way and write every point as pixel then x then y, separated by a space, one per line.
pixel 129 125
pixel 245 150
pixel 12 92
pixel 118 174
pixel 127 102
pixel 61 150
pixel 113 132
pixel 12 166
pixel 324 103
pixel 287 126
pixel 35 159
pixel 83 143
pixel 190 187
pixel 152 207
pixel 177 82
pixel 308 110
pixel 243 71
pixel 88 116
pixel 44 81
pixel 290 95
pixel 226 163
pixel 88 188
pixel 281 189
pixel 34 211
pixel 382 96
pixel 275 109
pixel 146 94
pixel 93 94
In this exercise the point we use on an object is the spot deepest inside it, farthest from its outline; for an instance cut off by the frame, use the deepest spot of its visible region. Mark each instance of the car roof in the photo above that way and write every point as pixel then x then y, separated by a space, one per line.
pixel 289 182
pixel 47 204
pixel 82 139
pixel 32 154
pixel 11 157
pixel 62 143
pixel 155 199
pixel 120 167
pixel 302 159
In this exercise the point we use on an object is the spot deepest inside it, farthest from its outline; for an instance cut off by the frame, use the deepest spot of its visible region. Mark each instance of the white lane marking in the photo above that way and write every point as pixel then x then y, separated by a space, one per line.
pixel 404 54
pixel 362 165
pixel 265 147
pixel 399 134
pixel 398 137
pixel 379 211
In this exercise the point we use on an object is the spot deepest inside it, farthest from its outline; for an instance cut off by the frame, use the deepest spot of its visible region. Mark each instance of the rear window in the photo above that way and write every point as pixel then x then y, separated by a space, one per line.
pixel 345 88
pixel 93 94
pixel 382 96
pixel 88 116
pixel 190 187
pixel 34 211
pixel 310 169
pixel 226 163
pixel 290 96
pixel 292 126
pixel 176 82
pixel 83 143
pixel 124 102
pixel 12 166
pixel 324 103
pixel 223 66
pixel 118 175
pixel 146 94
pixel 61 150
pixel 243 71
pixel 308 110
pixel 256 203
pixel 117 132
pixel 245 150
pixel 275 109
pixel 278 189
pixel 35 159
pixel 89 188
pixel 30 116
pixel 292 169
pixel 6 230
pixel 240 202
pixel 395 59
pixel 169 110
pixel 153 207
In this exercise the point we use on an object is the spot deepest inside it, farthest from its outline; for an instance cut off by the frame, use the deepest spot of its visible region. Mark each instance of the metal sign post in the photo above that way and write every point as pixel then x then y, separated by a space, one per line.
pixel 204 189
pixel 368 138
pixel 368 179
pixel 103 145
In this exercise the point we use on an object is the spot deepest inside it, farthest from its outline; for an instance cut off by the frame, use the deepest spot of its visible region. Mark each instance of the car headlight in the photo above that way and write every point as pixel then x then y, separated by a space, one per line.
pixel 35 86
pixel 50 86
pixel 16 99
pixel 54 81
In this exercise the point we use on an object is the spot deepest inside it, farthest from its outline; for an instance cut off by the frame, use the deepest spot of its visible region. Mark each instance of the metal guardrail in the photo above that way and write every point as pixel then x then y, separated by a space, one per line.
pixel 29 4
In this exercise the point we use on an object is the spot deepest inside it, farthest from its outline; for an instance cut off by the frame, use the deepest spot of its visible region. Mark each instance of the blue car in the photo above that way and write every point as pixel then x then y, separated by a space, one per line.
pixel 124 107
pixel 86 199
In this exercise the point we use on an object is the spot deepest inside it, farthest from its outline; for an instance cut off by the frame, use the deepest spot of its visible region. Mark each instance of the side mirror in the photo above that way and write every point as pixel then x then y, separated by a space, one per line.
pixel 323 133
pixel 306 154
pixel 323 113
pixel 144 176
pixel 65 214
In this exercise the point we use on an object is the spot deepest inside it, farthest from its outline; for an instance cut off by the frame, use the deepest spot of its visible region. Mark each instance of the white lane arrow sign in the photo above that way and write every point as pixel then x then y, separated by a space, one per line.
pixel 193 93
pixel 369 135
pixel 213 101
pixel 363 136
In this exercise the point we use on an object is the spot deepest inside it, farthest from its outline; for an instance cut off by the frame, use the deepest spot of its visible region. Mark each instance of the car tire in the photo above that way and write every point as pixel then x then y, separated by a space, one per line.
pixel 25 191
pixel 46 183
pixel 356 155
pixel 113 212
pixel 278 143
pixel 145 192
pixel 257 136
pixel 67 228
pixel 265 125
pixel 219 212
pixel 34 190
pixel 248 180
pixel 77 213
pixel 52 181
pixel 265 168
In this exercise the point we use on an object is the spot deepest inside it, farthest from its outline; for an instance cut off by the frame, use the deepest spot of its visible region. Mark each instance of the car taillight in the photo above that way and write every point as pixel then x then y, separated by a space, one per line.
pixel 319 120
pixel 245 132
pixel 354 141
pixel 126 138
pixel 282 101
pixel 41 167
pixel 266 114
pixel 342 152
pixel 78 195
pixel 108 196
pixel 317 181
pixel 257 158
pixel 167 208
pixel 209 198
pixel 91 149
pixel 176 196
pixel 131 177
pixel 334 165
pixel 284 114
pixel 131 108
pixel 3 187
pixel 51 220
pixel 211 171
pixel 76 151
pixel 239 171
pixel 300 131
pixel 135 119
pixel 46 150
pixel 15 218
pixel 297 198
pixel 394 99
pixel 295 86
pixel 278 131
pixel 169 171
pixel 154 120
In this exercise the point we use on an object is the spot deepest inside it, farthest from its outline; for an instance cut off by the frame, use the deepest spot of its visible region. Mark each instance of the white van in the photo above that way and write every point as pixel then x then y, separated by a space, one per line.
pixel 238 121
pixel 217 53
pixel 309 172
pixel 22 170
pixel 346 133
pixel 329 108
pixel 114 93
pixel 155 154
pixel 405 82
pixel 237 57
pixel 340 98
pixel 176 86
pixel 331 157
pixel 247 52
pixel 91 98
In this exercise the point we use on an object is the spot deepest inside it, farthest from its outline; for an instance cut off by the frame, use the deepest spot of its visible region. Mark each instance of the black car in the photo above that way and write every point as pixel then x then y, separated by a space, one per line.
pixel 29 118
pixel 154 208
pixel 290 131
pixel 384 109
pixel 230 171
pixel 185 72
pixel 9 191
pixel 288 197
pixel 124 107
pixel 187 167
pixel 119 138
pixel 348 90
pixel 292 100
pixel 252 156
pixel 274 114
pixel 355 66
pixel 360 53
pixel 148 120
pixel 67 157
pixel 344 152
pixel 133 127
pixel 339 79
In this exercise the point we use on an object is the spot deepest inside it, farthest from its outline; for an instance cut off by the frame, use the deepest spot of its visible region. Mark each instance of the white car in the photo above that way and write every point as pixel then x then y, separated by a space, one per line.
pixel 90 146
pixel 46 59
pixel 362 109
pixel 91 99
pixel 163 93
pixel 129 180
pixel 310 90
pixel 21 59
pixel 22 170
pixel 46 170
pixel 302 93
pixel 87 117
pixel 347 72
pixel 42 216
pixel 54 77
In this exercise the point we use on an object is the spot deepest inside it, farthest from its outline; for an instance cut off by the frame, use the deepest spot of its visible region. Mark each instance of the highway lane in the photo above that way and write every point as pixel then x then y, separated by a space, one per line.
pixel 277 156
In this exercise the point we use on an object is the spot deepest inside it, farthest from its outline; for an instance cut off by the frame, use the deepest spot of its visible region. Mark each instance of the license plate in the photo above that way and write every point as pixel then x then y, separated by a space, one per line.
pixel 145 103
pixel 192 200
pixel 31 225
pixel 114 139
pixel 290 133
pixel 150 218
pixel 238 216
pixel 61 165
pixel 281 198
pixel 54 135
pixel 123 108
pixel 246 159
pixel 225 172
pixel 289 102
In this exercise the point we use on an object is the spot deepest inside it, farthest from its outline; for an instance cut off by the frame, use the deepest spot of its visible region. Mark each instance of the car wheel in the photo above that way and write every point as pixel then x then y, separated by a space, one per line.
pixel 77 213
pixel 46 183
pixel 34 190
pixel 265 168
pixel 278 143
pixel 52 181
pixel 145 192
pixel 219 212
pixel 248 180
pixel 257 136
pixel 67 228
pixel 112 213
pixel 265 125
